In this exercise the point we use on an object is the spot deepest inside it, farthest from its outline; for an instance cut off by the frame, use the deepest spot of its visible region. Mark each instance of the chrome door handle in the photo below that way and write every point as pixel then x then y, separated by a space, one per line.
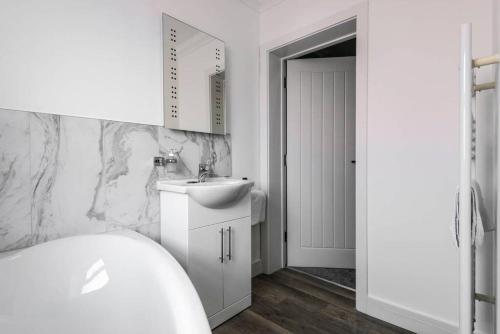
pixel 221 257
pixel 229 256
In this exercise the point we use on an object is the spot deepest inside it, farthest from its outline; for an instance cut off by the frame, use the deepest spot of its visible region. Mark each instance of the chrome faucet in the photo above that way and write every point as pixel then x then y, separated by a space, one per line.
pixel 203 172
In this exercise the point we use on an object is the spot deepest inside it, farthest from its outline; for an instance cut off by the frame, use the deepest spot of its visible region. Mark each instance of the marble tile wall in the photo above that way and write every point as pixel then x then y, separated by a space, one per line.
pixel 62 175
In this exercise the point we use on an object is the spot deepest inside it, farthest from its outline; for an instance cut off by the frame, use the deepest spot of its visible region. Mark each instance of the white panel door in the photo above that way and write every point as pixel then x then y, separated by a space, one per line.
pixel 237 267
pixel 321 162
pixel 205 266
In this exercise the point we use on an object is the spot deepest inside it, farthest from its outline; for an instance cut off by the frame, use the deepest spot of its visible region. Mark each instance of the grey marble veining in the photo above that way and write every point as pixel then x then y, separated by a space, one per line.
pixel 194 148
pixel 65 169
pixel 126 194
pixel 188 153
pixel 62 176
pixel 15 220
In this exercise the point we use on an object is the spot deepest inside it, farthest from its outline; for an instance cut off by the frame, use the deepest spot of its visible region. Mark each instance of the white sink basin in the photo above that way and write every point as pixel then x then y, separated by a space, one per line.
pixel 213 193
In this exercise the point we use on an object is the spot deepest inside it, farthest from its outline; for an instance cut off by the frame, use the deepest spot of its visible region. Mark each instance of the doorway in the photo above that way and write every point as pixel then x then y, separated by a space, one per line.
pixel 320 163
pixel 350 25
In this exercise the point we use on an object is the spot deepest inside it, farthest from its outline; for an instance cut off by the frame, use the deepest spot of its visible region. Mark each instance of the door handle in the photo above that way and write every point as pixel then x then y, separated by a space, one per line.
pixel 229 256
pixel 221 257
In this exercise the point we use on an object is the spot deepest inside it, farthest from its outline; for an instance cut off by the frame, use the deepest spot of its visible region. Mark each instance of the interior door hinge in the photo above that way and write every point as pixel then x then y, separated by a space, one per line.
pixel 284 82
pixel 284 160
pixel 286 237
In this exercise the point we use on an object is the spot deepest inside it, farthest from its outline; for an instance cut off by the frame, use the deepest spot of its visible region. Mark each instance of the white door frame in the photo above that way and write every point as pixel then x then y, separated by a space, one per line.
pixel 273 138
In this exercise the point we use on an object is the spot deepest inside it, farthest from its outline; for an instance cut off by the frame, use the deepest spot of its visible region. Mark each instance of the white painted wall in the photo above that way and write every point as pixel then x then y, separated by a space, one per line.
pixel 292 15
pixel 412 144
pixel 103 59
pixel 413 149
pixel 98 59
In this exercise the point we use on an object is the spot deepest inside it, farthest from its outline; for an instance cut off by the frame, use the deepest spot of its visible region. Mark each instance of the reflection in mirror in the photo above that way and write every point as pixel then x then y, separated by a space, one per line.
pixel 194 65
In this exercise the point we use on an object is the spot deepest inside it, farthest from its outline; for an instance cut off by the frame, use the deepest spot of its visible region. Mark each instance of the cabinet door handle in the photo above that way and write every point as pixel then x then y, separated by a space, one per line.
pixel 221 257
pixel 229 256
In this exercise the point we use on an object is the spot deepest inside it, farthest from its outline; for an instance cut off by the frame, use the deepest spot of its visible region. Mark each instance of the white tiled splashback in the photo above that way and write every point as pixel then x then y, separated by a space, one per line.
pixel 62 175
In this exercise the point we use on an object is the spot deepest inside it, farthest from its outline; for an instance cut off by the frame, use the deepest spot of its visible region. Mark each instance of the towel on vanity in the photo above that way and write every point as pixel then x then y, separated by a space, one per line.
pixel 258 214
pixel 476 220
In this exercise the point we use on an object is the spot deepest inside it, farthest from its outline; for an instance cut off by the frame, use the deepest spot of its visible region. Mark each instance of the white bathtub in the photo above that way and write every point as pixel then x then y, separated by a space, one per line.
pixel 94 284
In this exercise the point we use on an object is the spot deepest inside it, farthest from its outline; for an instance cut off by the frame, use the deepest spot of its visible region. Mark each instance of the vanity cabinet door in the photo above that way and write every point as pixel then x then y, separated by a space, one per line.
pixel 237 266
pixel 205 266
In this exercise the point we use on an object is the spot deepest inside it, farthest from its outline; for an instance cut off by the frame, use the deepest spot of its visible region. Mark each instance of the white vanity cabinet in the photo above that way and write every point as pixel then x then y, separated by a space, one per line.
pixel 219 264
pixel 214 247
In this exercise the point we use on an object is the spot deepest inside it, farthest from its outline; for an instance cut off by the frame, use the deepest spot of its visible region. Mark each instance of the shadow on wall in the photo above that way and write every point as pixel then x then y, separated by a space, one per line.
pixel 62 175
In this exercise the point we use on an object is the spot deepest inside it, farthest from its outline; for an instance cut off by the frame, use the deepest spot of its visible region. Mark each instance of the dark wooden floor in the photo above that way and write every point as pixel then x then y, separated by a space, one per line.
pixel 291 302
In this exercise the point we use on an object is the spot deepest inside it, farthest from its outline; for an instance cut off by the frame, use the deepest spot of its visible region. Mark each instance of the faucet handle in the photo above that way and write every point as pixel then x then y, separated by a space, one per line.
pixel 204 167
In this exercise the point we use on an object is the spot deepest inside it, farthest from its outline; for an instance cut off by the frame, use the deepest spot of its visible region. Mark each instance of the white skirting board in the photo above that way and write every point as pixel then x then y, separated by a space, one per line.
pixel 408 318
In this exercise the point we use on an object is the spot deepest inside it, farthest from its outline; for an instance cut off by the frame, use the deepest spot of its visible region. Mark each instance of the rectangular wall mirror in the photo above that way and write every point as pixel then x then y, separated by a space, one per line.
pixel 193 79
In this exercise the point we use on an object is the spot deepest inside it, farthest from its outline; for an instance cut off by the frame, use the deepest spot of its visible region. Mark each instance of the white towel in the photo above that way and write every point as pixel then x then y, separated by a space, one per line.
pixel 258 206
pixel 477 221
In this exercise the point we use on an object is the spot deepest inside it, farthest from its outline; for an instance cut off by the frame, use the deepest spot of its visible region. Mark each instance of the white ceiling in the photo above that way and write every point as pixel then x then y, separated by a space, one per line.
pixel 261 5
